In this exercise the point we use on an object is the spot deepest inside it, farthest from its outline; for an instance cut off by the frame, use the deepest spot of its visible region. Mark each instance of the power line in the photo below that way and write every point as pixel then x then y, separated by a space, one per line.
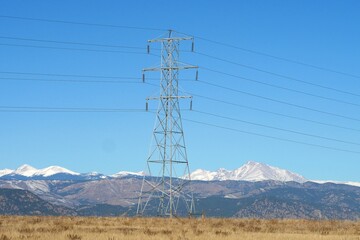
pixel 84 81
pixel 272 85
pixel 267 111
pixel 121 77
pixel 64 109
pixel 283 88
pixel 70 49
pixel 72 75
pixel 76 76
pixel 277 57
pixel 82 23
pixel 275 113
pixel 276 128
pixel 269 136
pixel 72 43
pixel 198 37
pixel 69 80
pixel 67 111
pixel 275 74
pixel 281 102
pixel 80 43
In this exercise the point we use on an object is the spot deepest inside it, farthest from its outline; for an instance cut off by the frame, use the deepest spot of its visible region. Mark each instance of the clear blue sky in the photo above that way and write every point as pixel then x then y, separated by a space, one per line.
pixel 323 33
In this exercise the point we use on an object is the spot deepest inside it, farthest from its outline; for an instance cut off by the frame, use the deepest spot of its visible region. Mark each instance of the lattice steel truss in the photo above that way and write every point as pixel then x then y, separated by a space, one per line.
pixel 166 186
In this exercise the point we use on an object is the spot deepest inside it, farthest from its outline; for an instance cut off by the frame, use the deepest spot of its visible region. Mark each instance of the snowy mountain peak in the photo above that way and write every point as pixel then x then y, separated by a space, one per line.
pixel 25 167
pixel 251 171
pixel 29 171
pixel 25 170
pixel 57 172
pixel 125 173
pixel 254 171
pixel 252 163
pixel 52 170
pixel 5 172
pixel 200 174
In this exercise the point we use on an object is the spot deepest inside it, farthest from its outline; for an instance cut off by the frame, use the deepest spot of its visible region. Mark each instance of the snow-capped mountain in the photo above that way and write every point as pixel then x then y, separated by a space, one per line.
pixel 26 172
pixel 49 171
pixel 356 184
pixel 251 171
pixel 125 173
pixel 203 175
pixel 29 171
pixel 5 172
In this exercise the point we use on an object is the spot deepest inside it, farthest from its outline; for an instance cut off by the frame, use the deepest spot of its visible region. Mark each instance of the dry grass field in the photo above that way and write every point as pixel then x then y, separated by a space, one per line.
pixel 77 228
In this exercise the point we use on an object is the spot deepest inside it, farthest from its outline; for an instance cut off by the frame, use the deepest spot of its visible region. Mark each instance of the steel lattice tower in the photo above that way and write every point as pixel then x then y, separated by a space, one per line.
pixel 166 186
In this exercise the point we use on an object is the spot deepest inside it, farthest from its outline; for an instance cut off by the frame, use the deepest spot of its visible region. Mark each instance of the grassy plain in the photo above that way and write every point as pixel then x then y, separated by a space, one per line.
pixel 81 228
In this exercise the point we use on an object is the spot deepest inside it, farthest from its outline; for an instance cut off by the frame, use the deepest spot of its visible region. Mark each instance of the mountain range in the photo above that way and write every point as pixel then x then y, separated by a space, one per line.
pixel 254 190
pixel 119 196
pixel 251 171
pixel 27 172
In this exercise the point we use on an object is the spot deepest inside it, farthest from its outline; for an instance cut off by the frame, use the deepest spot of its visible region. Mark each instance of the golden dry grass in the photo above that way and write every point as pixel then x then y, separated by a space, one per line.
pixel 80 228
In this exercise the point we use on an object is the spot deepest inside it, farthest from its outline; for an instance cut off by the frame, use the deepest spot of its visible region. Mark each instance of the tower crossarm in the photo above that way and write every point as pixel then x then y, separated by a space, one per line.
pixel 167 97
pixel 170 39
pixel 170 68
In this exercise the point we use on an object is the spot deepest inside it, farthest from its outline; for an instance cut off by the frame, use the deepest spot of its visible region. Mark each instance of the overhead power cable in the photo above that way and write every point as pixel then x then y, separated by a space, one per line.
pixel 64 109
pixel 276 74
pixel 82 23
pixel 140 79
pixel 275 57
pixel 276 128
pixel 283 88
pixel 79 43
pixel 267 111
pixel 281 102
pixel 274 113
pixel 82 76
pixel 198 37
pixel 71 80
pixel 269 136
pixel 70 49
pixel 70 75
pixel 85 81
pixel 73 43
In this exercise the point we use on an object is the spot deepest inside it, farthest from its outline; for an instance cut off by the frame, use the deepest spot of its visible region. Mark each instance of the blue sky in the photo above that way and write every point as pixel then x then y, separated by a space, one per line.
pixel 321 33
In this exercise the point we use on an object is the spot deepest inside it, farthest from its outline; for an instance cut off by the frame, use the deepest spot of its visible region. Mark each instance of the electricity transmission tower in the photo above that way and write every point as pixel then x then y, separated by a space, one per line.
pixel 166 186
